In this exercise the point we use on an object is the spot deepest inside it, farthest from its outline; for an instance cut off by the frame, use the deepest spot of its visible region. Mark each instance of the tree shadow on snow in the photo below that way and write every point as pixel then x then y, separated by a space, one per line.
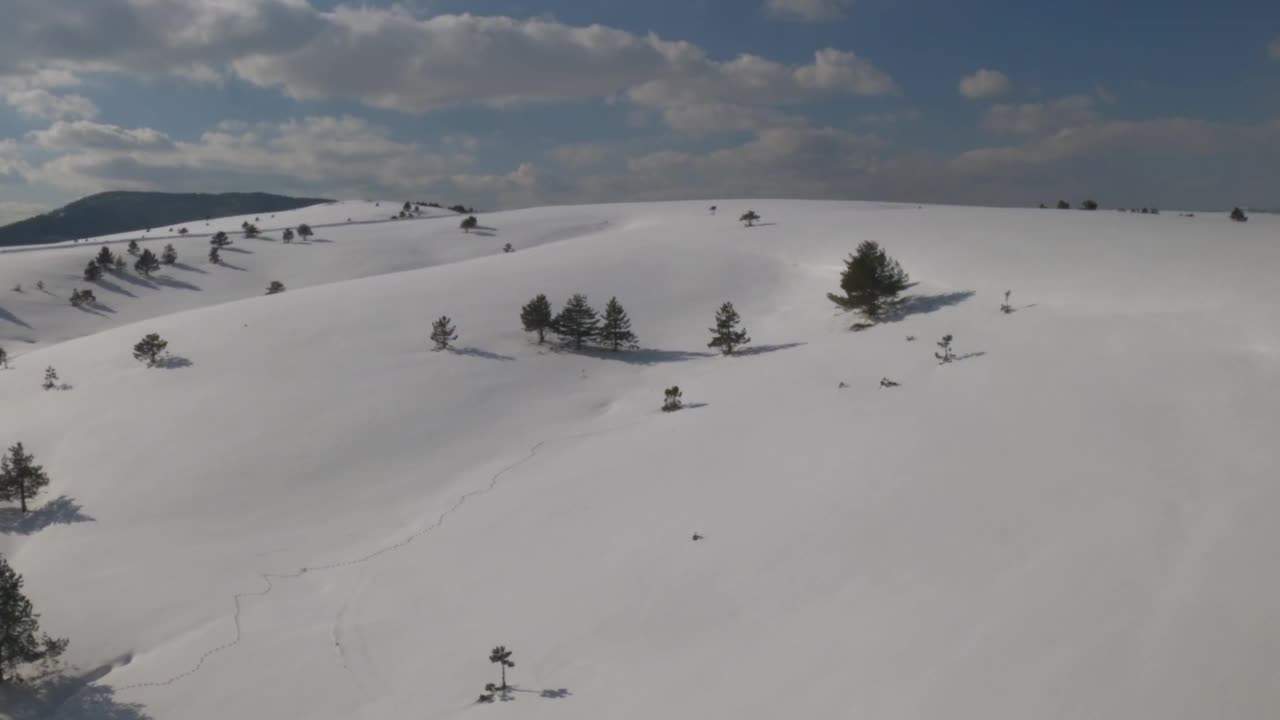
pixel 547 694
pixel 643 356
pixel 189 268
pixel 924 304
pixel 234 249
pixel 766 349
pixel 229 266
pixel 968 356
pixel 61 510
pixel 477 352
pixel 135 280
pixel 68 698
pixel 112 287
pixel 6 315
pixel 174 283
pixel 173 362
pixel 95 309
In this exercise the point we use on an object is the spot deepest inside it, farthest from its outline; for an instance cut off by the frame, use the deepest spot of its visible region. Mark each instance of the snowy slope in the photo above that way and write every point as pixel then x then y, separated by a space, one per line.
pixel 316 516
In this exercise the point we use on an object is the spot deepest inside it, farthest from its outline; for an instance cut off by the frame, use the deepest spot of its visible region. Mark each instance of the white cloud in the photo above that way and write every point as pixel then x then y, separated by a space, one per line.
pixel 87 135
pixel 984 84
pixel 579 155
pixel 1035 118
pixel 809 10
pixel 1273 50
pixel 44 104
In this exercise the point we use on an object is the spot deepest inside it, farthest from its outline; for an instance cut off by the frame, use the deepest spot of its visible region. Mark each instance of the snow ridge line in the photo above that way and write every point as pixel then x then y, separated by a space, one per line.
pixel 267 578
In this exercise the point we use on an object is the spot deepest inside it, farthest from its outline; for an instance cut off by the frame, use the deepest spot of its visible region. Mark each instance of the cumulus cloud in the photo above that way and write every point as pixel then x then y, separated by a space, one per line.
pixel 1036 118
pixel 984 84
pixel 809 10
pixel 44 104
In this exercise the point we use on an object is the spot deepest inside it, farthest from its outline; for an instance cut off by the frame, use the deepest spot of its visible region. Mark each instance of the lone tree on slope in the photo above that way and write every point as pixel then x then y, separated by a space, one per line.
pixel 149 349
pixel 536 316
pixel 577 321
pixel 945 355
pixel 615 333
pixel 871 281
pixel 21 641
pixel 304 231
pixel 508 248
pixel 1006 308
pixel 250 230
pixel 50 378
pixel 220 240
pixel 275 288
pixel 105 259
pixel 147 264
pixel 443 332
pixel 287 235
pixel 1088 205
pixel 92 271
pixel 502 656
pixel 215 257
pixel 21 478
pixel 749 217
pixel 133 247
pixel 169 256
pixel 1238 215
pixel 672 399
pixel 469 224
pixel 726 335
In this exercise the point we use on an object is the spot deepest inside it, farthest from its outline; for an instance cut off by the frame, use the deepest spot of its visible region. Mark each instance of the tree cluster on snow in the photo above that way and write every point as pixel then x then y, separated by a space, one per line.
pixel 21 642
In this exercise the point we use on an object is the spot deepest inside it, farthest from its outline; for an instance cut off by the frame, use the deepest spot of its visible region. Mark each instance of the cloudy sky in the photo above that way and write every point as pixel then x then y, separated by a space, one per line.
pixel 505 103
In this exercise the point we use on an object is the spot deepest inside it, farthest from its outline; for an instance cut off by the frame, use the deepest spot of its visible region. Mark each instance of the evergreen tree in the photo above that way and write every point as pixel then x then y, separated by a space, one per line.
pixel 20 478
pixel 105 259
pixel 577 321
pixel 469 224
pixel 508 248
pixel 50 378
pixel 147 264
pixel 304 231
pixel 287 235
pixel 871 281
pixel 1238 215
pixel 21 641
pixel 726 335
pixel 749 217
pixel 133 247
pixel 945 355
pixel 443 332
pixel 76 298
pixel 92 272
pixel 615 333
pixel 1088 205
pixel 149 348
pixel 4 358
pixel 1006 308
pixel 183 231
pixel 536 316
pixel 215 257
pixel 120 263
pixel 275 288
pixel 220 240
pixel 250 230
pixel 1064 205
pixel 169 256
pixel 40 285
pixel 407 206
pixel 502 656
pixel 673 399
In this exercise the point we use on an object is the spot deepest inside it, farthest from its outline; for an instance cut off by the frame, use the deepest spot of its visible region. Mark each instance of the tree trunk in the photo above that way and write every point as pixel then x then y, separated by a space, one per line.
pixel 22 495
pixel 504 676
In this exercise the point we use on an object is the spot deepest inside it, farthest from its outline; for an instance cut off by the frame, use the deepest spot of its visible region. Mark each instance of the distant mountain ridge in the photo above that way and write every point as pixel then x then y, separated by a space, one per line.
pixel 122 211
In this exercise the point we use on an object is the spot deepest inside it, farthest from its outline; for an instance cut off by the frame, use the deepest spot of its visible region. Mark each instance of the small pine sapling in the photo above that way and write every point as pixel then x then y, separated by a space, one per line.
pixel 443 332
pixel 726 335
pixel 887 383
pixel 1006 308
pixel 1238 215
pixel 749 218
pixel 536 317
pixel 672 399
pixel 169 256
pixel 40 285
pixel 502 656
pixel 946 355
pixel 149 349
pixel 275 288
pixel 713 209
pixel 508 248
pixel 50 378
pixel 133 247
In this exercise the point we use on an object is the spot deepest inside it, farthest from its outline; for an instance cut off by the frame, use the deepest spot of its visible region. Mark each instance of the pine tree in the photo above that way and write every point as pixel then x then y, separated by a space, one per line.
pixel 443 332
pixel 120 263
pixel 133 247
pixel 615 333
pixel 287 235
pixel 92 272
pixel 215 257
pixel 4 358
pixel 407 206
pixel 1006 308
pixel 275 288
pixel 871 281
pixel 502 656
pixel 1088 205
pixel 945 356
pixel 1238 215
pixel 304 231
pixel 220 240
pixel 80 298
pixel 725 334
pixel 673 399
pixel 469 224
pixel 536 316
pixel 147 264
pixel 149 348
pixel 577 321
pixel 20 478
pixel 50 378
pixel 250 230
pixel 169 256
pixel 105 259
pixel 749 217
pixel 508 248
pixel 182 231
pixel 1064 205
pixel 21 641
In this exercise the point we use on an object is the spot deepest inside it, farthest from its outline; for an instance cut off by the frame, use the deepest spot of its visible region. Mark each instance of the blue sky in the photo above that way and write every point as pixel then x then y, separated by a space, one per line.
pixel 505 103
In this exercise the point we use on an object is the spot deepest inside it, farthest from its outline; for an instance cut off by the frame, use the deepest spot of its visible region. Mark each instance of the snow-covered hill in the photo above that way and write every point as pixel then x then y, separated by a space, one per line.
pixel 313 515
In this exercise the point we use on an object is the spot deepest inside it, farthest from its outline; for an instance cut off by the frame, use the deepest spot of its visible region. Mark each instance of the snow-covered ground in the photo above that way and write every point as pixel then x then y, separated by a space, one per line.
pixel 313 515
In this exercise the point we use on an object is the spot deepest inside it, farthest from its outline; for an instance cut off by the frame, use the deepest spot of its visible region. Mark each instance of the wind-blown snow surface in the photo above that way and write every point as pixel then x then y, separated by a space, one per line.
pixel 312 515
